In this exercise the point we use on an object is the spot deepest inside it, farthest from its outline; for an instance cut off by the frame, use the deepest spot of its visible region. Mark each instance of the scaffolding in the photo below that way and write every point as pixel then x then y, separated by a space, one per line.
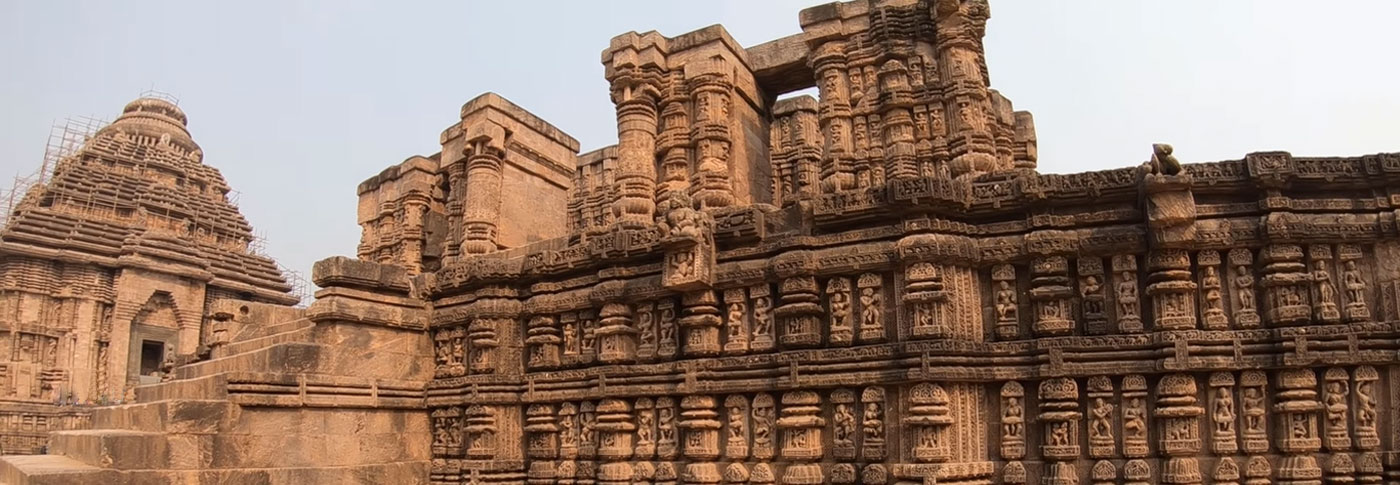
pixel 66 138
pixel 301 290
pixel 161 95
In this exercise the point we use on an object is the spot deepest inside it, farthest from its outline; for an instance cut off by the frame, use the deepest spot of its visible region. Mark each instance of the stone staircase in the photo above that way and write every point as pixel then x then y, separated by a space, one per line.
pixel 293 403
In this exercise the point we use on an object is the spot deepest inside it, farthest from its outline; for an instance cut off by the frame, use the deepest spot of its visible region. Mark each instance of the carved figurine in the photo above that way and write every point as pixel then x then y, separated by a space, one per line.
pixel 1163 162
pixel 874 423
pixel 844 422
pixel 1006 302
pixel 1244 287
pixel 1254 409
pixel 1102 411
pixel 1127 295
pixel 1011 419
pixel 1224 415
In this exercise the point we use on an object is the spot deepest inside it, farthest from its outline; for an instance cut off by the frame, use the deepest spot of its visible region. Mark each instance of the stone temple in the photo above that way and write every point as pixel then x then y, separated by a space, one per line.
pixel 872 287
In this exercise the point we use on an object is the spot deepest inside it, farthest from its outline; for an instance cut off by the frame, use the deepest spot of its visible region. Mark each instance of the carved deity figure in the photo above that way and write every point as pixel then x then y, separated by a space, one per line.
pixel 1224 415
pixel 840 307
pixel 1059 433
pixel 1134 418
pixel 1326 292
pixel 1356 287
pixel 1335 402
pixel 736 423
pixel 1127 295
pixel 1211 281
pixel 762 425
pixel 570 338
pixel 1090 288
pixel 762 318
pixel 1006 302
pixel 666 427
pixel 1099 424
pixel 736 319
pixel 1011 419
pixel 1365 405
pixel 644 424
pixel 844 422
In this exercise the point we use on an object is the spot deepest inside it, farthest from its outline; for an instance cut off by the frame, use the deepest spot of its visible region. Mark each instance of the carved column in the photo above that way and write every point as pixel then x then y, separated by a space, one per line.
pixel 1007 302
pixel 799 315
pixel 1091 295
pixel 928 420
pixel 958 43
pixel 736 322
pixel 543 444
pixel 1365 397
pixel 1242 284
pixel 485 150
pixel 712 89
pixel 872 424
pixel 701 425
pixel 482 334
pixel 1285 284
pixel 457 189
pixel 635 92
pixel 926 300
pixel 666 426
pixel 839 312
pixel 701 324
pixel 1355 284
pixel 1059 412
pixel 1126 296
pixel 802 425
pixel 764 430
pixel 872 308
pixel 542 337
pixel 1254 431
pixel 896 102
pixel 1296 407
pixel 1101 417
pixel 1223 416
pixel 1324 287
pixel 1013 421
pixel 1336 392
pixel 616 337
pixel 834 112
pixel 1212 291
pixel 615 432
pixel 1050 292
pixel 481 432
pixel 1178 413
pixel 736 428
pixel 673 143
pixel 1135 416
pixel 1171 289
pixel 843 424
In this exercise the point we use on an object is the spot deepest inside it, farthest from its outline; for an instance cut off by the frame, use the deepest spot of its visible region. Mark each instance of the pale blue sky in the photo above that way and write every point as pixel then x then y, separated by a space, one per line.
pixel 296 102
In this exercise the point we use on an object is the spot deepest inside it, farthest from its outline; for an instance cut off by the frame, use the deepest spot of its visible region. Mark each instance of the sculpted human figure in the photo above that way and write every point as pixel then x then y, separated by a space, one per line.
pixel 1356 287
pixel 644 423
pixel 1011 420
pixel 1336 404
pixel 1006 302
pixel 1244 287
pixel 1127 295
pixel 570 338
pixel 1091 287
pixel 667 424
pixel 869 307
pixel 1224 415
pixel 874 423
pixel 1102 412
pixel 762 319
pixel 845 422
pixel 1134 422
pixel 1254 409
pixel 1325 291
pixel 736 423
pixel 1211 281
pixel 1365 406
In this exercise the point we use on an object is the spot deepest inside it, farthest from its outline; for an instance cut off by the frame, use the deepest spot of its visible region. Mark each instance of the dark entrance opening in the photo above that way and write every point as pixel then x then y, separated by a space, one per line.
pixel 152 354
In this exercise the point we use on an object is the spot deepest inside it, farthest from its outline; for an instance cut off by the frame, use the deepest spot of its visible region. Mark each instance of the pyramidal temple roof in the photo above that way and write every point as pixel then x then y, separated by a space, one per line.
pixel 138 194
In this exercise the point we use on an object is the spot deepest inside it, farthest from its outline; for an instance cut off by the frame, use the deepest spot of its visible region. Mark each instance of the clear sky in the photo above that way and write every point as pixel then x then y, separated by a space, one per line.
pixel 296 102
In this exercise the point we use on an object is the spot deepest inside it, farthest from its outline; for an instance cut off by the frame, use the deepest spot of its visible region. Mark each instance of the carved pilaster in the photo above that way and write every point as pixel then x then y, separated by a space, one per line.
pixel 1171 289
pixel 1212 291
pixel 1101 417
pixel 572 336
pixel 647 342
pixel 764 431
pixel 1242 286
pixel 829 62
pixel 1178 413
pixel 588 431
pixel 700 324
pixel 872 308
pixel 666 429
pixel 701 424
pixel 712 89
pixel 635 91
pixel 1050 292
pixel 447 432
pixel 1060 415
pixel 802 424
pixel 799 316
pixel 616 336
pixel 1126 297
pixel 615 432
pixel 1296 407
pixel 673 142
pixel 482 210
pixel 1007 302
pixel 646 429
pixel 588 336
pixel 1254 431
pixel 481 430
pixel 1357 309
pixel 568 434
pixel 928 420
pixel 1135 416
pixel 542 444
pixel 839 311
pixel 896 102
pixel 1013 421
pixel 666 331
pixel 1365 396
pixel 482 333
pixel 843 424
pixel 926 301
pixel 1091 295
pixel 1285 285
pixel 544 342
pixel 1324 287
pixel 872 424
pixel 736 321
pixel 1336 392
pixel 1223 415
pixel 761 296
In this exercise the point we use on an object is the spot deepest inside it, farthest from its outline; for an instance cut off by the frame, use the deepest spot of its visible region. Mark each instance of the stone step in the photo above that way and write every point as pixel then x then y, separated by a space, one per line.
pixel 297 331
pixel 50 470
pixel 292 357
pixel 199 388
pixel 113 448
pixel 170 416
